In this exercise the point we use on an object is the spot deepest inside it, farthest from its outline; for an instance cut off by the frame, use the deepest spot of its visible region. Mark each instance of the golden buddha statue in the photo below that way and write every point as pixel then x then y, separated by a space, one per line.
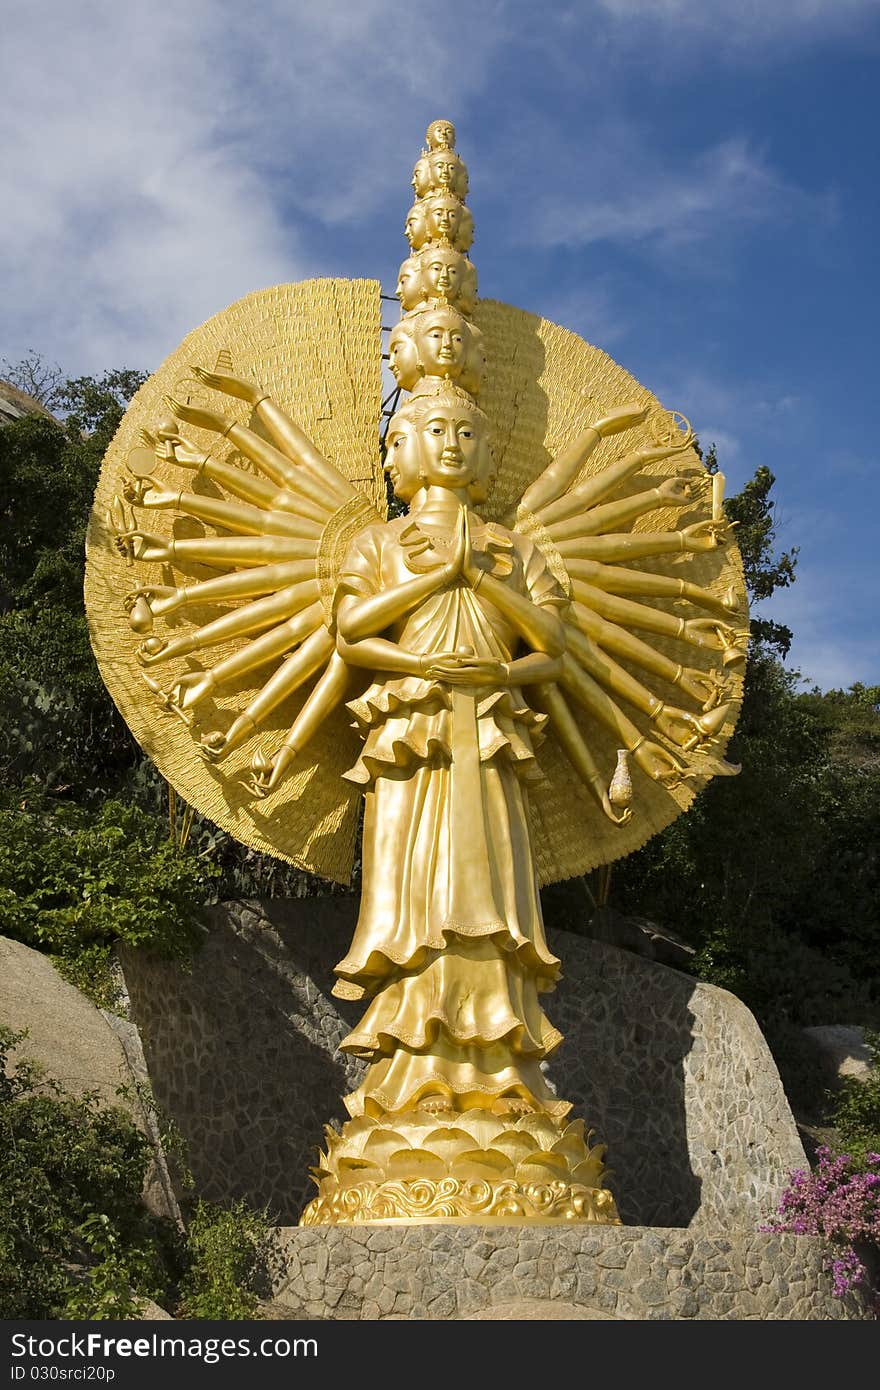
pixel 485 645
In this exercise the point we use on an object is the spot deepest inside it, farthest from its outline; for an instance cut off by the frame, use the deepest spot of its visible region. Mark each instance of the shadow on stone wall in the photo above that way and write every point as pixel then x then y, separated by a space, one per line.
pixel 628 1029
pixel 674 1076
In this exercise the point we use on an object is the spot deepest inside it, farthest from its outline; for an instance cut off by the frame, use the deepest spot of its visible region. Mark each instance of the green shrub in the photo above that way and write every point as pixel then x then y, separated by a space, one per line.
pixel 76 1240
pixel 58 725
pixel 856 1112
pixel 73 1231
pixel 74 881
pixel 225 1248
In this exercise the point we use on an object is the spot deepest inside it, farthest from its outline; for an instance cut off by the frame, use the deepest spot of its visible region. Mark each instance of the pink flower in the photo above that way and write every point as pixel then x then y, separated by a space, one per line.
pixel 839 1204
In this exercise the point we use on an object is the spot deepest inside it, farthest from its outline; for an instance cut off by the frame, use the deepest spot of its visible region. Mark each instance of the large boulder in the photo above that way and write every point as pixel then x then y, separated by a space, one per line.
pixel 84 1048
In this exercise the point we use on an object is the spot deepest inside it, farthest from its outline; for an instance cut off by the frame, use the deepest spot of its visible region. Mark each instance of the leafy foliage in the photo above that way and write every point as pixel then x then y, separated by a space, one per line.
pixel 754 513
pixel 856 1111
pixel 773 876
pixel 76 1240
pixel 71 1176
pixel 71 879
pixel 225 1248
pixel 60 732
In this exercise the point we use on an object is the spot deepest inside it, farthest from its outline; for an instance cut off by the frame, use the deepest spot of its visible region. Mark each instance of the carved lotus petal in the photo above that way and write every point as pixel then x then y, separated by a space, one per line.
pixel 482 1127
pixel 541 1126
pixel 516 1146
pixel 448 1144
pixel 355 1170
pixel 488 1164
pixel 592 1172
pixel 575 1130
pixel 381 1143
pixel 356 1131
pixel 571 1148
pixel 554 1165
pixel 414 1163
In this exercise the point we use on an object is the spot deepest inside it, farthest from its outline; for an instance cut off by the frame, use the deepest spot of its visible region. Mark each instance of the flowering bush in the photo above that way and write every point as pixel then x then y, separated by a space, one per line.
pixel 841 1203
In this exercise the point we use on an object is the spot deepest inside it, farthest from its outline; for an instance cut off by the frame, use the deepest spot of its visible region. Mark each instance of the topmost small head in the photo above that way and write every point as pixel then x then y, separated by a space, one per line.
pixel 441 135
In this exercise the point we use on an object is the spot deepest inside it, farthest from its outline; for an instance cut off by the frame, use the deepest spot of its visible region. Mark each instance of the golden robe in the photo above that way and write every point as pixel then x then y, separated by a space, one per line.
pixel 450 944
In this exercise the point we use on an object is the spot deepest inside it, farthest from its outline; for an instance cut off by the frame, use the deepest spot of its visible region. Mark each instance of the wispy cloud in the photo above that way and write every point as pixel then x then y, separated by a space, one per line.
pixel 833 644
pixel 163 160
pixel 638 196
pixel 738 27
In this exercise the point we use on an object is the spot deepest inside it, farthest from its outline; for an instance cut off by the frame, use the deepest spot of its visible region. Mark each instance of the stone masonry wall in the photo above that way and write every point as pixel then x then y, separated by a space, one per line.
pixel 673 1075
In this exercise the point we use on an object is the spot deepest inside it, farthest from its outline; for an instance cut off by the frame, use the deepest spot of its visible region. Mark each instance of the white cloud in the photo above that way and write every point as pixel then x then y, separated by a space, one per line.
pixel 835 638
pixel 160 157
pixel 593 311
pixel 632 195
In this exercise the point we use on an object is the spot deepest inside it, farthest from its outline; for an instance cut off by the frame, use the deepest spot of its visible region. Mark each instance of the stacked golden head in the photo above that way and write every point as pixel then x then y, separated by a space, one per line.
pixel 435 345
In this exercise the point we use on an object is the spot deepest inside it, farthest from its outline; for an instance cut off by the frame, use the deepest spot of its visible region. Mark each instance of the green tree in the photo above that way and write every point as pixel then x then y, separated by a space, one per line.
pixel 773 875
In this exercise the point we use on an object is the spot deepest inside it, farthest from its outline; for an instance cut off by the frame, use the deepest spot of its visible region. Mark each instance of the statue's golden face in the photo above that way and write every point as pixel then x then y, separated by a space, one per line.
pixel 403 458
pixel 443 217
pixel 409 283
pixel 454 449
pixel 441 135
pixel 415 226
pixel 403 359
pixel 442 273
pixel 447 171
pixel 442 343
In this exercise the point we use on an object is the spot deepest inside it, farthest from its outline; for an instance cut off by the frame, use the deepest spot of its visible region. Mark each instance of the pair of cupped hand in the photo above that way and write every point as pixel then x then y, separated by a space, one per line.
pixel 463 667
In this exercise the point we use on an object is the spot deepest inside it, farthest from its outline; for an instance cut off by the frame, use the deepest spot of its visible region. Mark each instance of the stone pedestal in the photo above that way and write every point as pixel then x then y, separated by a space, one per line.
pixel 673 1075
pixel 509 1272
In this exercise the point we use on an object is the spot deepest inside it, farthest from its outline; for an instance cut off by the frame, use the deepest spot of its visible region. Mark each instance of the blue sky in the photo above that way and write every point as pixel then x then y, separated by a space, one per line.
pixel 690 184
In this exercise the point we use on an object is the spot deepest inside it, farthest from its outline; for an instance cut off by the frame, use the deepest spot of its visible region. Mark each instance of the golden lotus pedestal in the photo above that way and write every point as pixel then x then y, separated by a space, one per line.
pixel 473 1167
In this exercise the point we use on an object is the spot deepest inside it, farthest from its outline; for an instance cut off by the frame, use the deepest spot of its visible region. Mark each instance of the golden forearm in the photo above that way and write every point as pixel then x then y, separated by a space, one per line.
pixel 623 546
pixel 279 467
pixel 552 701
pixel 296 444
pixel 539 627
pixel 612 514
pixel 534 668
pixel 555 479
pixel 297 669
pixel 379 654
pixel 252 617
pixel 363 617
pixel 615 579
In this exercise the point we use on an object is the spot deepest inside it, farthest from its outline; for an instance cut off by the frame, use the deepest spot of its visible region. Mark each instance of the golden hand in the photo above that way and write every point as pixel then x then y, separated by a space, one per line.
pixel 185 454
pixel 705 535
pixel 135 489
pixel 461 668
pixel 198 415
pixel 659 765
pixel 231 385
pixel 680 490
pixel 266 772
pixel 461 550
pixel 152 496
pixel 140 545
pixel 470 569
pixel 624 816
pixel 709 632
pixel 621 418
pixel 708 688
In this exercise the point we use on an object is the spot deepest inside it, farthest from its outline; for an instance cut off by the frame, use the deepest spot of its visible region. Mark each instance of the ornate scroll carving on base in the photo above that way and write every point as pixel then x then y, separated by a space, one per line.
pixel 449 1199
